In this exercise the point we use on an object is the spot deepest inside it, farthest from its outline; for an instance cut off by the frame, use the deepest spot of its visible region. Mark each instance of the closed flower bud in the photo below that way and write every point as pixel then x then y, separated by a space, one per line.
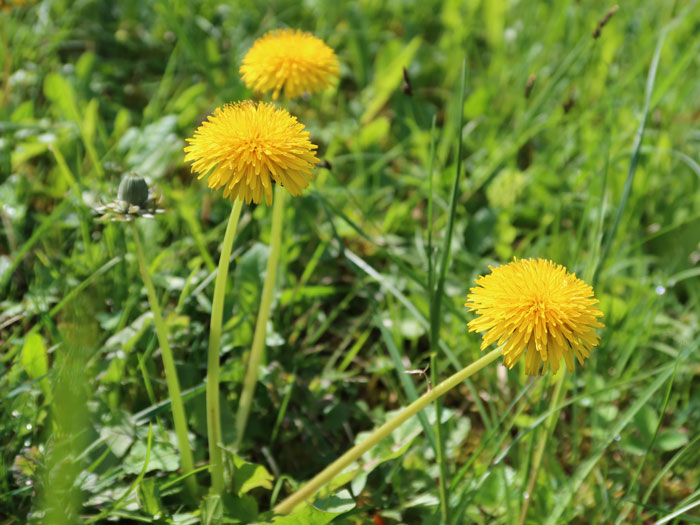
pixel 134 190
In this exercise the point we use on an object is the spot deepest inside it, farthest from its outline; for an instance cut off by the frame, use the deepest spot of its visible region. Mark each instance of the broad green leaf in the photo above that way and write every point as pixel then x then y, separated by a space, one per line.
pixel 163 457
pixel 248 476
pixel 150 498
pixel 119 438
pixel 243 509
pixel 212 510
pixel 34 356
pixel 216 509
pixel 321 512
pixel 646 420
pixel 23 112
pixel 671 439
pixel 59 91
pixel 83 67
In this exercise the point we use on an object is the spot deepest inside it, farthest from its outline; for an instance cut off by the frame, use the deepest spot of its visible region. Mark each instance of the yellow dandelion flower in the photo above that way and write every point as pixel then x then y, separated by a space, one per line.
pixel 291 60
pixel 244 147
pixel 536 307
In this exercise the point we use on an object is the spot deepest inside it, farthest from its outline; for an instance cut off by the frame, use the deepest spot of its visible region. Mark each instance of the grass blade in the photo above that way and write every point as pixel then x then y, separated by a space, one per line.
pixel 587 466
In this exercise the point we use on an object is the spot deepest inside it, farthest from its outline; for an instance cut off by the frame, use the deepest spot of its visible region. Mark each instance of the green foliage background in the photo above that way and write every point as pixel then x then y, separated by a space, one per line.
pixel 92 89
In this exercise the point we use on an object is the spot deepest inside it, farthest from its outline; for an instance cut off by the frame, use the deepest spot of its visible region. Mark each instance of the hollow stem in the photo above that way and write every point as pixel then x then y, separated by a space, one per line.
pixel 542 444
pixel 340 464
pixel 216 464
pixel 176 405
pixel 251 375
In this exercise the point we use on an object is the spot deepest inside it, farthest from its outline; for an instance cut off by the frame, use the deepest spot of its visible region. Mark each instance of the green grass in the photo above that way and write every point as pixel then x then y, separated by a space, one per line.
pixel 597 169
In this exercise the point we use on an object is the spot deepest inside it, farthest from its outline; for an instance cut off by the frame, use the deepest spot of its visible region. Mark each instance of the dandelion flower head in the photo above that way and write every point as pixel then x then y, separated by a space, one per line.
pixel 291 60
pixel 535 307
pixel 244 147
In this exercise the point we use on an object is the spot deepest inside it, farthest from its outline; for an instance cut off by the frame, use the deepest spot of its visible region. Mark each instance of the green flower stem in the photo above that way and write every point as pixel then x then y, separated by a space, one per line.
pixel 216 464
pixel 176 405
pixel 251 375
pixel 550 422
pixel 352 455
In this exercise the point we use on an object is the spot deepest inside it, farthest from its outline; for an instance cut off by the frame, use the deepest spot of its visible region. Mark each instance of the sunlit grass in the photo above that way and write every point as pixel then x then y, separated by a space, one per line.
pixel 595 168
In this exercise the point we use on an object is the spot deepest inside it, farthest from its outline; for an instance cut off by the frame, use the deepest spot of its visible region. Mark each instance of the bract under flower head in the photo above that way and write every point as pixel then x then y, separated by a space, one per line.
pixel 535 307
pixel 293 61
pixel 245 147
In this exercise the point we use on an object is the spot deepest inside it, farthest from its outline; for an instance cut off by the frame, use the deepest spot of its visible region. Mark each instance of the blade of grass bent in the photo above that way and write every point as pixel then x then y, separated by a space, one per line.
pixel 651 79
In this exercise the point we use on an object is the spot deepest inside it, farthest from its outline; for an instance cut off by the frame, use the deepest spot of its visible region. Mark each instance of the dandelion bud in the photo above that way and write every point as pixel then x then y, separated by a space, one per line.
pixel 133 190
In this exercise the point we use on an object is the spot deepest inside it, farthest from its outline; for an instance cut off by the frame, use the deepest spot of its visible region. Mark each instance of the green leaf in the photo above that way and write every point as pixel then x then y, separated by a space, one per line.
pixel 338 503
pixel 212 510
pixel 249 476
pixel 150 498
pixel 216 509
pixel 646 420
pixel 59 91
pixel 34 356
pixel 321 512
pixel 671 439
pixel 240 510
pixel 84 65
pixel 163 457
pixel 35 361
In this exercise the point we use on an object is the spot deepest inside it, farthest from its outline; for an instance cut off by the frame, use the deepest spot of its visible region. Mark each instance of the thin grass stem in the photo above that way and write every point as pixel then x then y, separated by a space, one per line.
pixel 436 296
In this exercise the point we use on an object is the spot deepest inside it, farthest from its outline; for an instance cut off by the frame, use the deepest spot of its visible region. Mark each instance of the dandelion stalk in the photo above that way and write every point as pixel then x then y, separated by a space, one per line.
pixel 539 311
pixel 550 422
pixel 352 455
pixel 216 464
pixel 251 376
pixel 177 407
pixel 245 149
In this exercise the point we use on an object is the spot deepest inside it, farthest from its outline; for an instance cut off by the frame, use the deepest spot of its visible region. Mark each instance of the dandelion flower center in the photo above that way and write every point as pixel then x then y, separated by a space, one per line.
pixel 244 147
pixel 293 61
pixel 537 308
